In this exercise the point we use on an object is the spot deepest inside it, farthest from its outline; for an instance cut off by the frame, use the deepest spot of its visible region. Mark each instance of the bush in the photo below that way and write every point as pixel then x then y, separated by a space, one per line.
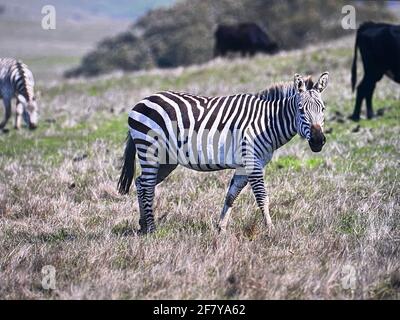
pixel 183 34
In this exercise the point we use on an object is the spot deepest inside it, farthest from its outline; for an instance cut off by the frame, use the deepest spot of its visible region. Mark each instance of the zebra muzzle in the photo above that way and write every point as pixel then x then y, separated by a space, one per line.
pixel 32 126
pixel 317 139
pixel 27 118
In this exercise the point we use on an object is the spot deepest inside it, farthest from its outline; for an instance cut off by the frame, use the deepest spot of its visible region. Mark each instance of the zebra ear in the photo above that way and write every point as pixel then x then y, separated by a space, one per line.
pixel 299 83
pixel 322 82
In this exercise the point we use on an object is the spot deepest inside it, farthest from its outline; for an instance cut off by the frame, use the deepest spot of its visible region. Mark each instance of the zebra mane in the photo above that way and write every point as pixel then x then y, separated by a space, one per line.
pixel 27 88
pixel 283 90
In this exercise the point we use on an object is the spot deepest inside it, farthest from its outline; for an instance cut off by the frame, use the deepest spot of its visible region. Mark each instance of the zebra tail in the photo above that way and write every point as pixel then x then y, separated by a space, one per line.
pixel 128 169
pixel 354 66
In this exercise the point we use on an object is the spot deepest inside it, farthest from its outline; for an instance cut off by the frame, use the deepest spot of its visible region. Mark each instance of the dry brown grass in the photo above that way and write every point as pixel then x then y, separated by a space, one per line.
pixel 337 208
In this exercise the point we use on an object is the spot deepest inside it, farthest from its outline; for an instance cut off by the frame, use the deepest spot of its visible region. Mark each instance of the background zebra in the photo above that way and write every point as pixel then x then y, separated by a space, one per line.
pixel 237 132
pixel 16 80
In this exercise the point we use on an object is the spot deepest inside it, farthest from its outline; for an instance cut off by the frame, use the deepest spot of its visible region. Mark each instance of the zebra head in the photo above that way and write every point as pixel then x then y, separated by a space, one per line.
pixel 310 111
pixel 30 112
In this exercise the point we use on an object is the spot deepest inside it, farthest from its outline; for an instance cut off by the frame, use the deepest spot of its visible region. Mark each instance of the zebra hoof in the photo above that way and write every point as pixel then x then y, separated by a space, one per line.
pixel 220 229
pixel 147 230
pixel 270 227
pixel 270 231
pixel 144 231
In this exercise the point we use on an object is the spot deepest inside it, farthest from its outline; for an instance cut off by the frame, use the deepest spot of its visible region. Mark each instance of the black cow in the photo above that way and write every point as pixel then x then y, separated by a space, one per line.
pixel 379 45
pixel 246 38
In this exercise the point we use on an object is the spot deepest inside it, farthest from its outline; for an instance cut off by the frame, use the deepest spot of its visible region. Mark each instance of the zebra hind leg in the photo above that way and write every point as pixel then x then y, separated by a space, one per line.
pixel 140 195
pixel 238 182
pixel 146 184
pixel 152 174
pixel 146 197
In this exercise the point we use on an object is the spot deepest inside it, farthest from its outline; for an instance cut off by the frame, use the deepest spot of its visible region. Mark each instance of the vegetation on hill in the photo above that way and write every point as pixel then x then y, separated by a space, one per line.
pixel 183 34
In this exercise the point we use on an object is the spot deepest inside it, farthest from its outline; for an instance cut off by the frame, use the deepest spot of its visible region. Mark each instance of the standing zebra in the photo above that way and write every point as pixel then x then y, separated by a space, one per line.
pixel 16 80
pixel 238 132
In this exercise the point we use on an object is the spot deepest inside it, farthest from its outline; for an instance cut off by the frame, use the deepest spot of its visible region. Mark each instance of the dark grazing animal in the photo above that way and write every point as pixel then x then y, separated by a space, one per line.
pixel 239 132
pixel 379 45
pixel 246 38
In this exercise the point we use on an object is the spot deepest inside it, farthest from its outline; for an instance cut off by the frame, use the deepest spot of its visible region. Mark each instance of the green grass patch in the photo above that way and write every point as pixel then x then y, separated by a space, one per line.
pixel 350 223
pixel 314 163
pixel 53 143
pixel 287 162
pixel 49 145
pixel 294 163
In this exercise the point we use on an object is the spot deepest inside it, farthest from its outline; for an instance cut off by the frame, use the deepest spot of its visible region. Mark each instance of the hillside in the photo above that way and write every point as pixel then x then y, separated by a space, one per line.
pixel 80 25
pixel 335 210
pixel 183 34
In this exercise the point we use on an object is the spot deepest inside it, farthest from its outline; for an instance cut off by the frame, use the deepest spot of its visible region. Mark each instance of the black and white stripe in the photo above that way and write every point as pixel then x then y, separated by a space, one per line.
pixel 238 132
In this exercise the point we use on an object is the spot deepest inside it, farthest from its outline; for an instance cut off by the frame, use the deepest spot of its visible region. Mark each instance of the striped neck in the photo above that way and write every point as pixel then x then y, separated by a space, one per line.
pixel 283 116
pixel 292 106
pixel 23 84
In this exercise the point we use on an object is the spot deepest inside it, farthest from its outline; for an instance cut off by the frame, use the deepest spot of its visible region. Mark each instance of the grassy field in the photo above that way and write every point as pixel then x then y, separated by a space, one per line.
pixel 333 212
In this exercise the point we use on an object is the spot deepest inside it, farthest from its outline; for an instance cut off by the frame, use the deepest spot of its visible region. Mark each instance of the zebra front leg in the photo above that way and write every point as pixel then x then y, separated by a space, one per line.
pixel 256 181
pixel 18 116
pixel 238 182
pixel 7 115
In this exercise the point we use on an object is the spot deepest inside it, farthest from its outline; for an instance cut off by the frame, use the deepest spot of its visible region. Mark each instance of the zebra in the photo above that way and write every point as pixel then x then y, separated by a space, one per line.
pixel 16 80
pixel 238 132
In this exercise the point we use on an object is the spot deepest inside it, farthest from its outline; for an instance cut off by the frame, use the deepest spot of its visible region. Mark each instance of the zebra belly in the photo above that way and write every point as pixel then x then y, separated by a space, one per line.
pixel 208 167
pixel 209 162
